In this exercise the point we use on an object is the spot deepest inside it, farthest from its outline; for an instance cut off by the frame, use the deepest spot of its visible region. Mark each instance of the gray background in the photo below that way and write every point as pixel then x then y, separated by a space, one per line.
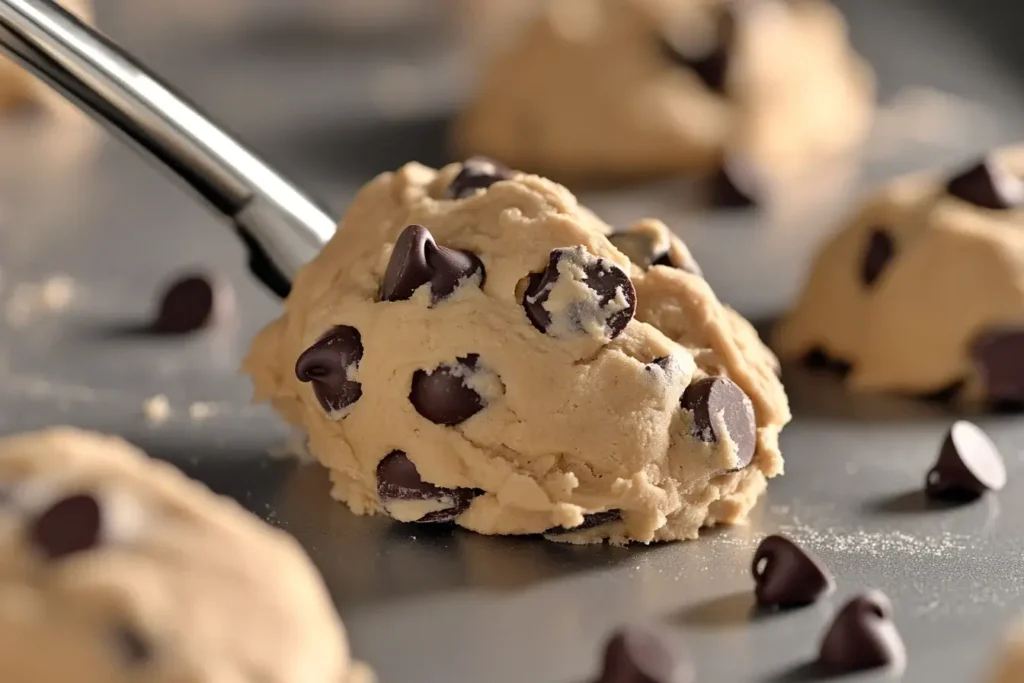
pixel 435 605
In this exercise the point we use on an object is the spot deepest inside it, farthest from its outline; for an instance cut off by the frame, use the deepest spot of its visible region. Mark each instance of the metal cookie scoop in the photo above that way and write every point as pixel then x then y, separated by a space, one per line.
pixel 282 228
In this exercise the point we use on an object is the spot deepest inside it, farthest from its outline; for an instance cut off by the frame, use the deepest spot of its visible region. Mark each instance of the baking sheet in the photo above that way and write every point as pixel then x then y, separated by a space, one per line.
pixel 87 238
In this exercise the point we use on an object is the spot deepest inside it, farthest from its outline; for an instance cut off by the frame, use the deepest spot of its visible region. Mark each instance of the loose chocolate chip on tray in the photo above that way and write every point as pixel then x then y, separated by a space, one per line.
pixel 193 302
pixel 713 396
pixel 594 519
pixel 880 250
pixel 969 464
pixel 998 356
pixel 446 395
pixel 407 498
pixel 417 260
pixel 556 305
pixel 70 525
pixel 639 655
pixel 478 173
pixel 989 185
pixel 862 636
pixel 328 364
pixel 787 576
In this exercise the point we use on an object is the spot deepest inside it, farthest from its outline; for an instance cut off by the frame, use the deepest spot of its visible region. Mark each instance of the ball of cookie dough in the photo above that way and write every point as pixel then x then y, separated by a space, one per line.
pixel 1010 665
pixel 116 568
pixel 616 89
pixel 473 346
pixel 923 290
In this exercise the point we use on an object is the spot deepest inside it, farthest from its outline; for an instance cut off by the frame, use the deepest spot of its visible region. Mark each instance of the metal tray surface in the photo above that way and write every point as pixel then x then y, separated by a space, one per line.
pixel 427 605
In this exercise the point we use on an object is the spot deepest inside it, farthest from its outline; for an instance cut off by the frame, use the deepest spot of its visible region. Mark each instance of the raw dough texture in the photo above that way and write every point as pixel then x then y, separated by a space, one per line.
pixel 1010 668
pixel 615 89
pixel 499 377
pixel 115 568
pixel 923 290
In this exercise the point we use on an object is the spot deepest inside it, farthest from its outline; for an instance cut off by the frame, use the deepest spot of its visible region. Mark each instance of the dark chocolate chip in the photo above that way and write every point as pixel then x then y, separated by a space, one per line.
pixel 398 482
pixel 327 365
pixel 788 576
pixel 478 173
pixel 727 189
pixel 713 396
pixel 712 67
pixel 70 525
pixel 615 297
pixel 989 185
pixel 193 302
pixel 134 649
pixel 820 359
pixel 590 521
pixel 862 636
pixel 443 396
pixel 998 356
pixel 969 464
pixel 638 655
pixel 880 250
pixel 642 249
pixel 417 260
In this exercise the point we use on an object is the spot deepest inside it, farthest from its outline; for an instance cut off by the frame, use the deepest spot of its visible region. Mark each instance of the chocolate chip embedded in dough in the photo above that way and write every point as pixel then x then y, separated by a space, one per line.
pixel 594 519
pixel 788 576
pixel 998 356
pixel 417 260
pixel 969 464
pixel 635 654
pixel 447 396
pixel 731 189
pixel 862 636
pixel 192 303
pixel 407 498
pixel 478 173
pixel 878 252
pixel 712 396
pixel 988 184
pixel 70 525
pixel 329 365
pixel 134 649
pixel 711 67
pixel 643 249
pixel 603 306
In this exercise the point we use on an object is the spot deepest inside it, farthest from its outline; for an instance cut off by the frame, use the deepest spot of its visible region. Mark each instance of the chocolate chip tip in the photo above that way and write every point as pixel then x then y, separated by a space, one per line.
pixel 786 576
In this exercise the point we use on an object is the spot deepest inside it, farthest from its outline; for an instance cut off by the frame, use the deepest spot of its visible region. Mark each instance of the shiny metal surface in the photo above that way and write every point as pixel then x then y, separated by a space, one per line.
pixel 440 606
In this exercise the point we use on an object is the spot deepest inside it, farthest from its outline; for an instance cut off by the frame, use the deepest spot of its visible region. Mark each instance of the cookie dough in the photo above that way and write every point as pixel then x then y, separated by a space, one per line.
pixel 116 568
pixel 473 346
pixel 923 291
pixel 1010 668
pixel 616 89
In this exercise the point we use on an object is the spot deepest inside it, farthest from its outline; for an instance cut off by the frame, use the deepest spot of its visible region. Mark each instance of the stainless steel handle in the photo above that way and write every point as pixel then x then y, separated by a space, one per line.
pixel 281 227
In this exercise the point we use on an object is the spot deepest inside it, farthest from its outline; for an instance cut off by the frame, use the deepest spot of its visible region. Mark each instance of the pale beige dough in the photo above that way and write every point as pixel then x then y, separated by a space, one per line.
pixel 585 92
pixel 957 272
pixel 574 424
pixel 210 592
pixel 1010 667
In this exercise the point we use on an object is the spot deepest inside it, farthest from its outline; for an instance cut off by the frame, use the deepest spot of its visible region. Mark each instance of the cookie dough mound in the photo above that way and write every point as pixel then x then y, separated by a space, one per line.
pixel 923 291
pixel 472 346
pixel 1010 668
pixel 116 568
pixel 615 89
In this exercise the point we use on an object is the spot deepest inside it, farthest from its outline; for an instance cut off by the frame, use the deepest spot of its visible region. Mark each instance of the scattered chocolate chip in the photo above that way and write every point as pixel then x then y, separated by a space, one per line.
pixel 788 576
pixel 862 636
pixel 712 67
pixel 328 364
pixel 989 185
pixel 969 464
pixel 590 521
pixel 713 396
pixel 444 396
pixel 70 525
pixel 998 356
pixel 134 649
pixel 638 655
pixel 729 189
pixel 193 302
pixel 407 498
pixel 879 252
pixel 417 260
pixel 642 248
pixel 478 173
pixel 606 310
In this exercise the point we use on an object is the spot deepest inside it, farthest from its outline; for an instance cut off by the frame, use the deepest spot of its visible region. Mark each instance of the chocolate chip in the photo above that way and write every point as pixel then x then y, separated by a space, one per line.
pixel 70 525
pixel 879 252
pixel 417 260
pixel 407 498
pixel 998 356
pixel 594 519
pixel 193 302
pixel 134 649
pixel 603 308
pixel 862 636
pixel 787 576
pixel 713 396
pixel 969 464
pixel 642 248
pixel 712 67
pixel 820 359
pixel 989 185
pixel 446 396
pixel 478 173
pixel 730 189
pixel 639 655
pixel 328 365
